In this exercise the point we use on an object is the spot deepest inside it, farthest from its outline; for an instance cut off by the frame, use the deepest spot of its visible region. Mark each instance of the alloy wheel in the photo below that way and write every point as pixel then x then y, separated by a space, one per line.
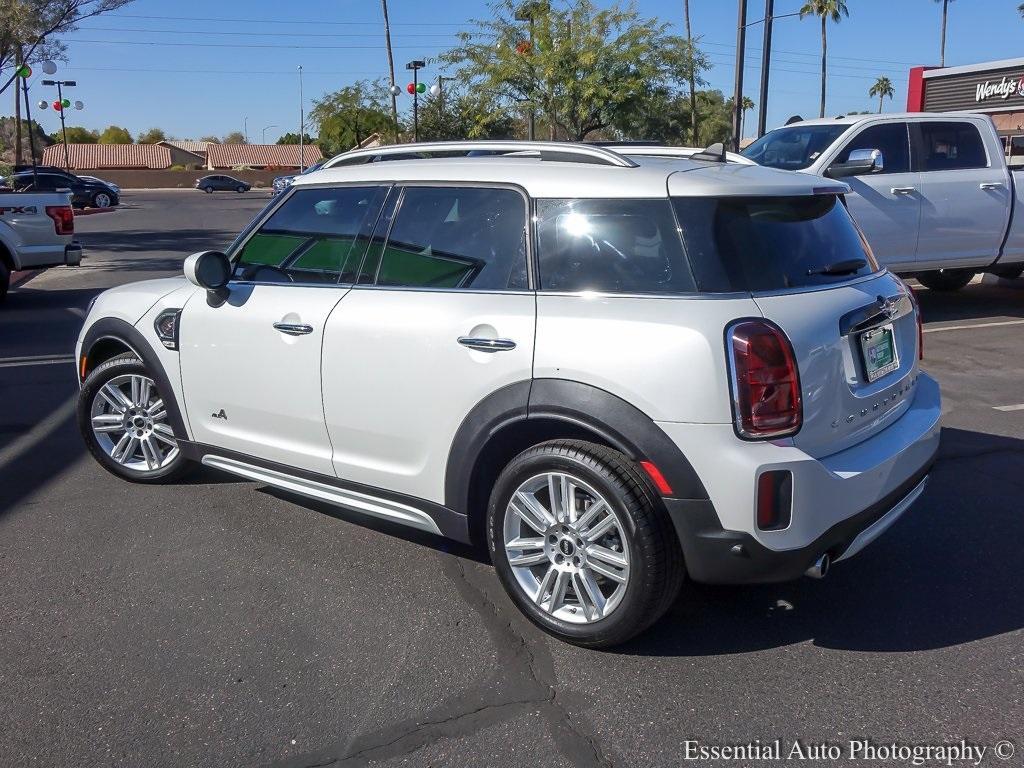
pixel 129 421
pixel 566 548
pixel 102 200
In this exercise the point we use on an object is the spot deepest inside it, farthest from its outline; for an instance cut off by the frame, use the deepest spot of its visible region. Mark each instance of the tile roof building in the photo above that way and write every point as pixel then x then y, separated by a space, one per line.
pixel 89 157
pixel 225 156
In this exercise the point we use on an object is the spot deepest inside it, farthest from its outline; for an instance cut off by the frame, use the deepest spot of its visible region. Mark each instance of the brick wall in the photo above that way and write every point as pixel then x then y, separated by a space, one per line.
pixel 143 179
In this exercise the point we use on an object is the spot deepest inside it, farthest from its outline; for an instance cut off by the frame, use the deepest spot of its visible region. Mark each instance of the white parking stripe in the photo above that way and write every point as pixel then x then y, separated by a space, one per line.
pixel 976 325
pixel 1019 407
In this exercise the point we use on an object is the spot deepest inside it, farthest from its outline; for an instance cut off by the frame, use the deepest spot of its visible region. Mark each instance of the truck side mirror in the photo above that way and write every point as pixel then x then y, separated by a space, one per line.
pixel 860 162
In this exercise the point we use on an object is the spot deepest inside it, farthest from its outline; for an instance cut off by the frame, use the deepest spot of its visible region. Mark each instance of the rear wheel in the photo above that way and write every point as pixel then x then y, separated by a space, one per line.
pixel 946 279
pixel 123 418
pixel 582 543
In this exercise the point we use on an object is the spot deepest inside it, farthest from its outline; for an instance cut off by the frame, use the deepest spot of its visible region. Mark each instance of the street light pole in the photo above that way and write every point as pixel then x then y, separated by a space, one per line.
pixel 766 61
pixel 245 128
pixel 63 126
pixel 415 65
pixel 737 106
pixel 264 134
pixel 302 120
pixel 526 12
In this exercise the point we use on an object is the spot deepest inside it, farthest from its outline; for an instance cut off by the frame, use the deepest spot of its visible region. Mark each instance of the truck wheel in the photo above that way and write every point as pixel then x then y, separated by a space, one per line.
pixel 946 279
pixel 5 281
pixel 582 543
pixel 123 419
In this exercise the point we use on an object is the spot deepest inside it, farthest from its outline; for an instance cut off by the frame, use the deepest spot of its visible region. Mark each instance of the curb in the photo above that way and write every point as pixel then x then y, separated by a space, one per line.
pixel 91 211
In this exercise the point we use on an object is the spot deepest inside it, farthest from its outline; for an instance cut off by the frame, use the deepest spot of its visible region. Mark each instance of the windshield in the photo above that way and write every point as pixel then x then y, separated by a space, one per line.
pixel 795 147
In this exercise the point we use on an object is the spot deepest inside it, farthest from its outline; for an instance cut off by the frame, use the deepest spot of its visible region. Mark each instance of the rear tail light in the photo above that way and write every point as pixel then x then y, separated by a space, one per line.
pixel 63 219
pixel 765 380
pixel 774 500
pixel 920 323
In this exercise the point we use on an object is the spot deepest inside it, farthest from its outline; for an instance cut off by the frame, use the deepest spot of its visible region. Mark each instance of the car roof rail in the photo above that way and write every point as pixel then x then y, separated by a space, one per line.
pixel 561 151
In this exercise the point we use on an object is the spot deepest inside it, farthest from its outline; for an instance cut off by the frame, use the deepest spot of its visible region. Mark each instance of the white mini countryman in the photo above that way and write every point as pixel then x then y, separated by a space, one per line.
pixel 618 368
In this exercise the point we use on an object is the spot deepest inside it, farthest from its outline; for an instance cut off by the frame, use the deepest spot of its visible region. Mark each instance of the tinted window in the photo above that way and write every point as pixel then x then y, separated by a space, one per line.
pixel 611 246
pixel 794 147
pixel 456 237
pixel 891 138
pixel 315 236
pixel 771 243
pixel 951 146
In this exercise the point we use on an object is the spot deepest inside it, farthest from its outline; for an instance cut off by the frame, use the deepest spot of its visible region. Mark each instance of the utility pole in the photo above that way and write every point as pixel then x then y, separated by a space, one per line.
pixel 19 157
pixel 766 62
pixel 302 120
pixel 526 12
pixel 391 68
pixel 737 106
pixel 31 136
pixel 693 76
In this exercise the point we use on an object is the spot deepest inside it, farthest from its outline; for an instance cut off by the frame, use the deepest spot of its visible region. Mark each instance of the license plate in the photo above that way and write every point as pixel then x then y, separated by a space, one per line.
pixel 879 350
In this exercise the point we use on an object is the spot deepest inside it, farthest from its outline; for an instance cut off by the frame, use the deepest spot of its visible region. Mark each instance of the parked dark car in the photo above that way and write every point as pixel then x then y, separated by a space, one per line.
pixel 84 192
pixel 217 183
pixel 281 183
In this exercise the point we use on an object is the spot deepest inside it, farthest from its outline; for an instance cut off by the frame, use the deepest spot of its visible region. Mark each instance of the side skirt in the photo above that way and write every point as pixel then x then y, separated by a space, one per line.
pixel 397 508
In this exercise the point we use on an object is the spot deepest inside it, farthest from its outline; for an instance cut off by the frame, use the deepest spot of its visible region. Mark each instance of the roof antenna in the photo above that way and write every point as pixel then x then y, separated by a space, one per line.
pixel 714 153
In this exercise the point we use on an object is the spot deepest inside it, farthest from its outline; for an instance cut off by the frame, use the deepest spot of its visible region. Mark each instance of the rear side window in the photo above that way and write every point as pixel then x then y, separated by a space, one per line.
pixel 470 238
pixel 891 139
pixel 771 243
pixel 951 146
pixel 610 246
pixel 318 235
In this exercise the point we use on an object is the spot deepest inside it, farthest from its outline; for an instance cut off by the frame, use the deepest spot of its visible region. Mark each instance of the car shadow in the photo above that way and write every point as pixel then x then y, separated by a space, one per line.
pixel 988 299
pixel 948 572
pixel 184 241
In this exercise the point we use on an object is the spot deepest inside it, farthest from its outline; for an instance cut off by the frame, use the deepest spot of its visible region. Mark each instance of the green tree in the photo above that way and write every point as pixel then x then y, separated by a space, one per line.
pixel 347 116
pixel 942 43
pixel 459 113
pixel 747 105
pixel 587 70
pixel 715 117
pixel 78 135
pixel 115 134
pixel 293 138
pixel 152 136
pixel 825 10
pixel 882 88
pixel 235 137
pixel 210 139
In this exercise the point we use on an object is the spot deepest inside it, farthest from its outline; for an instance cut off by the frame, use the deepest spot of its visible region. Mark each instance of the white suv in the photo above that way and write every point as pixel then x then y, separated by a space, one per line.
pixel 620 371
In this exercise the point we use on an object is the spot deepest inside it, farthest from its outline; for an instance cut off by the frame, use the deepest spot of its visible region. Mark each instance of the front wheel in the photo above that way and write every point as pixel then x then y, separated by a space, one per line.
pixel 123 418
pixel 240 189
pixel 582 543
pixel 208 190
pixel 101 200
pixel 946 279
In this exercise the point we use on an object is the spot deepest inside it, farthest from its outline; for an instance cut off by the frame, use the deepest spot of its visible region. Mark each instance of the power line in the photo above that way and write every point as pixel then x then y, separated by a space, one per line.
pixel 251 45
pixel 262 34
pixel 279 21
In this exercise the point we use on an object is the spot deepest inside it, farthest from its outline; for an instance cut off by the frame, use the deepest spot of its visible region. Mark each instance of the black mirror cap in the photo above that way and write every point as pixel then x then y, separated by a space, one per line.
pixel 208 269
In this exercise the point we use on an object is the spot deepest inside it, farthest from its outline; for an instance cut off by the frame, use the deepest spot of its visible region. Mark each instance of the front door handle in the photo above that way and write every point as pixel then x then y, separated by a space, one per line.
pixel 294 329
pixel 487 345
pixel 991 185
pixel 902 190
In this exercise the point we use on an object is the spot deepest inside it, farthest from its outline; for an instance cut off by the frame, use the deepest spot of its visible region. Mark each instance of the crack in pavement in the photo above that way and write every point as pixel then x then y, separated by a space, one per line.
pixel 525 683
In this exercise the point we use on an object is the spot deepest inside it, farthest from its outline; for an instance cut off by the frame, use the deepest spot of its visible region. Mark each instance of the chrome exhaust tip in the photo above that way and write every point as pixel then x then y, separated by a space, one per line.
pixel 820 568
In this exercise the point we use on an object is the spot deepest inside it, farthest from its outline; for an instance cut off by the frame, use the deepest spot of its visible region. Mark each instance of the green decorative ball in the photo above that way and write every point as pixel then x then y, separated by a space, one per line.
pixel 65 103
pixel 421 88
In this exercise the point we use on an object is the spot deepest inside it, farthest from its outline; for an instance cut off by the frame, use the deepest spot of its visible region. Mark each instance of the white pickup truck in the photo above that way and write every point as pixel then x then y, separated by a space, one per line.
pixel 36 230
pixel 932 192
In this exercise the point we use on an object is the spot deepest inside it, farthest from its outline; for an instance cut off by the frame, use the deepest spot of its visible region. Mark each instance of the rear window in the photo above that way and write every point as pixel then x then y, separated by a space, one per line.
pixel 771 243
pixel 795 147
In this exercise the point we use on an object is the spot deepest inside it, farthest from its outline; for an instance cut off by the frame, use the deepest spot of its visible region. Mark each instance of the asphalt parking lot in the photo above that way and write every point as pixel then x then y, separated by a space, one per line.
pixel 219 622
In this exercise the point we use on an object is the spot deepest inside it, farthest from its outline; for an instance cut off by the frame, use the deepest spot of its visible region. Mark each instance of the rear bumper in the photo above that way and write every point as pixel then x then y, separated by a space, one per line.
pixel 840 503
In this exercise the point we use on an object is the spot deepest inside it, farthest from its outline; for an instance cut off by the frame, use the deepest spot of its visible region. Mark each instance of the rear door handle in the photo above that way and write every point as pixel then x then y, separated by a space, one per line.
pixel 487 345
pixel 294 329
pixel 902 190
pixel 991 185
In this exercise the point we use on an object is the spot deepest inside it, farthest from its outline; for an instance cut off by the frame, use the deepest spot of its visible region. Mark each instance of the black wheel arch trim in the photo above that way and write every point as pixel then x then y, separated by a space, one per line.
pixel 118 330
pixel 620 424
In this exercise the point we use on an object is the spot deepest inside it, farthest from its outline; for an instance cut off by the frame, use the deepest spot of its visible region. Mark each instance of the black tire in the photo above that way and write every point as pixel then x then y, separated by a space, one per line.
pixel 119 366
pixel 208 190
pixel 100 197
pixel 240 189
pixel 946 279
pixel 656 560
pixel 1009 273
pixel 5 280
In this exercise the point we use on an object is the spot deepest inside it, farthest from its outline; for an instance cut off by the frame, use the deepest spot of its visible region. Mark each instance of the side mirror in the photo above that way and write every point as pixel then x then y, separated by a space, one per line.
pixel 859 162
pixel 208 269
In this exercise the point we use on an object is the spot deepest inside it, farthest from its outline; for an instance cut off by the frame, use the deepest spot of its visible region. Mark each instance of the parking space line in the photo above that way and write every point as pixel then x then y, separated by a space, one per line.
pixel 975 325
pixel 18 362
pixel 1018 407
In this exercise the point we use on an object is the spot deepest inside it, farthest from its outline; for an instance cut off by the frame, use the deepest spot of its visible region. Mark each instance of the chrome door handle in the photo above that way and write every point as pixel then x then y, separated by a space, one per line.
pixel 902 190
pixel 294 329
pixel 991 185
pixel 487 345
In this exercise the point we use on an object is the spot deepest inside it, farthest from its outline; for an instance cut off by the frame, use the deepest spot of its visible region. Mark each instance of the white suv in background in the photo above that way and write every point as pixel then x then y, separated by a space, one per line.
pixel 619 371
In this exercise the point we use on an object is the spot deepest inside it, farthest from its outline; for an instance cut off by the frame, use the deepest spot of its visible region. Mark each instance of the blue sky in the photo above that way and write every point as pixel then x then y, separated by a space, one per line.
pixel 195 68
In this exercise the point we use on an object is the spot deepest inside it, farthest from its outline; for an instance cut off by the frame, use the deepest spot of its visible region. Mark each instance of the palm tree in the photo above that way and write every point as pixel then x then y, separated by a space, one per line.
pixel 942 45
pixel 825 10
pixel 693 76
pixel 1020 9
pixel 745 105
pixel 881 89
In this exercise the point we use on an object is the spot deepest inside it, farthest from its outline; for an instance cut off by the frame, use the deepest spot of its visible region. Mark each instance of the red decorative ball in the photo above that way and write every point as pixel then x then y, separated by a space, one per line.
pixel 58 106
pixel 410 88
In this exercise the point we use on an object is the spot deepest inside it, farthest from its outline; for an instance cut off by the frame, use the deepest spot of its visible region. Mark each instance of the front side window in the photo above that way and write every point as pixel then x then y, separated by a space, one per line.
pixel 470 238
pixel 318 235
pixel 794 147
pixel 610 246
pixel 951 146
pixel 891 139
pixel 771 243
